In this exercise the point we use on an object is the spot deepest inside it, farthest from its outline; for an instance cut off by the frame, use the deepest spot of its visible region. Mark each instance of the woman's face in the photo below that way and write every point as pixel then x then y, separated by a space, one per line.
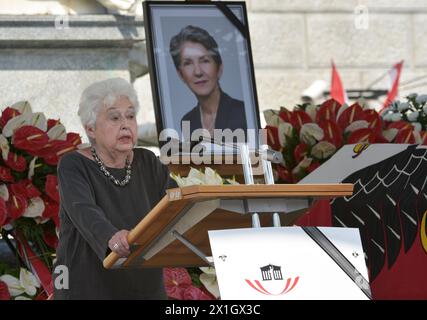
pixel 115 128
pixel 198 69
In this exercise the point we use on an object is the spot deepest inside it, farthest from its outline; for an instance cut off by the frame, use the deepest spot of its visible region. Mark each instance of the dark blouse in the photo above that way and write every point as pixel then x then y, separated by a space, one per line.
pixel 92 210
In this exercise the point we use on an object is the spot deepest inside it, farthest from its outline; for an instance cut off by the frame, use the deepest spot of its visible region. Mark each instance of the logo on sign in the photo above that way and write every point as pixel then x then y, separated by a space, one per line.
pixel 272 273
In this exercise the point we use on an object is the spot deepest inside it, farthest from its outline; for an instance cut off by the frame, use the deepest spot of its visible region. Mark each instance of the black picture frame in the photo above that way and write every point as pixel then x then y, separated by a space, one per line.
pixel 227 22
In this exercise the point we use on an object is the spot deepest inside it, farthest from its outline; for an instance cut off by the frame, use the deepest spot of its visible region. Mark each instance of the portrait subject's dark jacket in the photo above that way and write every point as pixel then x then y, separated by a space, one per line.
pixel 230 115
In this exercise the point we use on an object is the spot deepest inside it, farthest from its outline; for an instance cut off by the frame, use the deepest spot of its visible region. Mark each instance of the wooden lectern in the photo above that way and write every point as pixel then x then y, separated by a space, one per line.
pixel 175 231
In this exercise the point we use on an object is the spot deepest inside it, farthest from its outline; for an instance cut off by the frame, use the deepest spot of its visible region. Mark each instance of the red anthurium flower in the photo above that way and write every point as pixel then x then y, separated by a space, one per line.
pixel 51 210
pixel 313 166
pixel 53 150
pixel 3 212
pixel 16 162
pixel 194 293
pixel 374 120
pixel 29 138
pixel 4 291
pixel 328 111
pixel 298 118
pixel 273 137
pixel 285 115
pixel 176 281
pixel 284 174
pixel 362 135
pixel 8 114
pixel 16 205
pixel 300 151
pixel 51 187
pixel 349 115
pixel 6 175
pixel 25 188
pixel 405 136
pixel 423 135
pixel 379 138
pixel 333 132
pixel 399 125
pixel 51 123
pixel 74 138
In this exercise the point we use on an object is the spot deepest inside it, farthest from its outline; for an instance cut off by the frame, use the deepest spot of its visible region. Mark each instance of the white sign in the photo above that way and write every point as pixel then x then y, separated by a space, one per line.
pixel 288 263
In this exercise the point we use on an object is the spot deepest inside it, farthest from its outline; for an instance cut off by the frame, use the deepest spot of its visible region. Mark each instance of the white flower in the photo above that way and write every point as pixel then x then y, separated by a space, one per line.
pixel 13 284
pixel 35 208
pixel 323 150
pixel 180 181
pixel 311 133
pixel 38 120
pixel 4 192
pixel 212 177
pixel 272 118
pixel 341 110
pixel 22 298
pixel 304 164
pixel 13 124
pixel 28 282
pixel 359 124
pixel 387 116
pixel 209 280
pixel 417 126
pixel 417 137
pixel 396 117
pixel 403 106
pixel 23 107
pixel 390 134
pixel 232 181
pixel 311 110
pixel 412 116
pixel 284 130
pixel 57 132
pixel 421 99
pixel 4 146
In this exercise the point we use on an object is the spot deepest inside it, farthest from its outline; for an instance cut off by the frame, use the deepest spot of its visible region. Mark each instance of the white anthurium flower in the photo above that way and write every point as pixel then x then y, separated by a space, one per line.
pixel 31 167
pixel 178 179
pixel 191 181
pixel 196 174
pixel 209 279
pixel 359 124
pixel 22 298
pixel 390 134
pixel 403 106
pixel 212 177
pixel 28 282
pixel 421 99
pixel 341 110
pixel 13 284
pixel 396 117
pixel 23 107
pixel 38 120
pixel 4 192
pixel 35 208
pixel 4 146
pixel 323 150
pixel 232 181
pixel 284 130
pixel 412 116
pixel 57 132
pixel 417 137
pixel 311 133
pixel 304 164
pixel 417 126
pixel 13 124
pixel 311 110
pixel 272 118
pixel 83 146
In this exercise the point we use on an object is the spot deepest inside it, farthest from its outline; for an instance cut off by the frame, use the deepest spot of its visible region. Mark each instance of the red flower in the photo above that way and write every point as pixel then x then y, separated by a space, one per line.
pixel 29 138
pixel 328 111
pixel 300 117
pixel 3 213
pixel 273 137
pixel 51 210
pixel 74 138
pixel 4 291
pixel 52 151
pixel 284 174
pixel 362 135
pixel 374 120
pixel 333 133
pixel 51 187
pixel 285 115
pixel 405 136
pixel 50 238
pixel 399 125
pixel 313 166
pixel 176 280
pixel 349 115
pixel 51 123
pixel 300 151
pixel 16 162
pixel 8 114
pixel 25 188
pixel 6 175
pixel 423 135
pixel 194 293
pixel 16 205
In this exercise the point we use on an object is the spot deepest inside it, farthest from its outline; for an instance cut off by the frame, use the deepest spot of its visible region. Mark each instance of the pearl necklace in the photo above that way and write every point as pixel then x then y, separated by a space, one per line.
pixel 102 167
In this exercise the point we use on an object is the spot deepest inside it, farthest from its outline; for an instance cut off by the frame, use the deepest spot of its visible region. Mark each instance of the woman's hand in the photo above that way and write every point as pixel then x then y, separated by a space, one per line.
pixel 119 243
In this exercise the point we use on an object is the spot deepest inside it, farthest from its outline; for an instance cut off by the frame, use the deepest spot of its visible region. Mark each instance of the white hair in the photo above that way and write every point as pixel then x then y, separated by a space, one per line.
pixel 104 94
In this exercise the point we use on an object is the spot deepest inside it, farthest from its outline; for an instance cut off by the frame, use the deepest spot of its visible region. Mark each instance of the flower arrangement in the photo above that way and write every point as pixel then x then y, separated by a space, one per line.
pixel 309 135
pixel 31 147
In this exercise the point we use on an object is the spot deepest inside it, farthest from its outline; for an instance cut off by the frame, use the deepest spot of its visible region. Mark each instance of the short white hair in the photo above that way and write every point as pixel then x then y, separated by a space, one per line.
pixel 104 94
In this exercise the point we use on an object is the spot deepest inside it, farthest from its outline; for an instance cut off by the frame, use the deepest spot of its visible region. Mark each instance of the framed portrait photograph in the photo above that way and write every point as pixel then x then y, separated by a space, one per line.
pixel 201 70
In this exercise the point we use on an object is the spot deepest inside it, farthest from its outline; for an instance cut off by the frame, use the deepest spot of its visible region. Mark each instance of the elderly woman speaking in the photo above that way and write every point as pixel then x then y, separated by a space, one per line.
pixel 105 190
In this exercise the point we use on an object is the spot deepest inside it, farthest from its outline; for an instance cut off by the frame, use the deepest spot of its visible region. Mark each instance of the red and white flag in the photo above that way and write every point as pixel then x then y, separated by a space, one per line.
pixel 394 84
pixel 337 88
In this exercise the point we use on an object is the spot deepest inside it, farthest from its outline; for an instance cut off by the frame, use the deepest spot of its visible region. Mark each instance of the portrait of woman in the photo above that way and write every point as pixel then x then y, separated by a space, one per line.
pixel 198 62
pixel 105 190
